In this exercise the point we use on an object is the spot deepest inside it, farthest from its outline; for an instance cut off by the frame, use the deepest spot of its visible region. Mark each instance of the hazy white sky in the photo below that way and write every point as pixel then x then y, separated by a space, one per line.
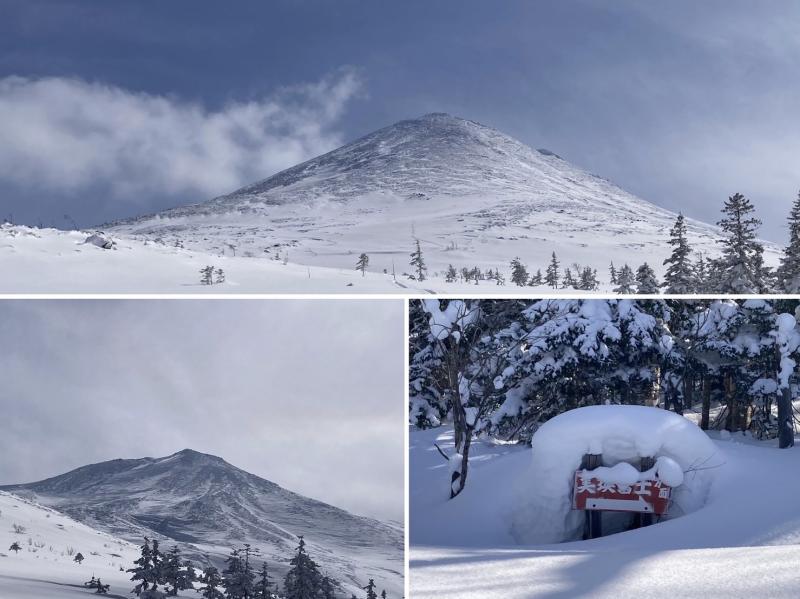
pixel 307 394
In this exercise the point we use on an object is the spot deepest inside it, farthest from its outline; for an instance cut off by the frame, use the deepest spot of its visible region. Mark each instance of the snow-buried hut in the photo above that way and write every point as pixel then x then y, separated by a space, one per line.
pixel 685 458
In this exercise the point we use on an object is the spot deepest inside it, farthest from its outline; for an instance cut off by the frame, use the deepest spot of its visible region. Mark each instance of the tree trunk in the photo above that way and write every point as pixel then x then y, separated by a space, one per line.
pixel 732 417
pixel 706 410
pixel 785 415
pixel 688 390
pixel 785 419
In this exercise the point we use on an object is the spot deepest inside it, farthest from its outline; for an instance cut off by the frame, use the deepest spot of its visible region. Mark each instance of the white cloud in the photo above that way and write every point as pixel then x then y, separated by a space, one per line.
pixel 60 134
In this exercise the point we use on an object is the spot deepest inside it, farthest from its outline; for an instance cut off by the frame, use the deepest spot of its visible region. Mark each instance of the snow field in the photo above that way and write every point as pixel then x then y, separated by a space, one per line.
pixel 743 542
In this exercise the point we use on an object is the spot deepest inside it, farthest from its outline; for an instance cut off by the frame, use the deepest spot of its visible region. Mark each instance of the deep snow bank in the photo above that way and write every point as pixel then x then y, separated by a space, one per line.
pixel 621 434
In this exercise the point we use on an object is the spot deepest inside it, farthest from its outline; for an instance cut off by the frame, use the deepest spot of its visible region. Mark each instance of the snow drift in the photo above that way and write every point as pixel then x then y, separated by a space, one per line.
pixel 622 434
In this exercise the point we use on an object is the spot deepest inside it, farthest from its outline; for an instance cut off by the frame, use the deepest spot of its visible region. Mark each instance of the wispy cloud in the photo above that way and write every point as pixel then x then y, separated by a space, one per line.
pixel 60 134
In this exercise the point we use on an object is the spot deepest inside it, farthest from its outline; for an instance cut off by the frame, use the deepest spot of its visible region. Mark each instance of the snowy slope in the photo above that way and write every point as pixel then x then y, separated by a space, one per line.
pixel 45 568
pixel 473 197
pixel 52 261
pixel 745 541
pixel 209 506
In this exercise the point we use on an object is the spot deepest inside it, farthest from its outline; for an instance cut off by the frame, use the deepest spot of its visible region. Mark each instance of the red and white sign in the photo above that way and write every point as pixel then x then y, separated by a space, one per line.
pixel 646 496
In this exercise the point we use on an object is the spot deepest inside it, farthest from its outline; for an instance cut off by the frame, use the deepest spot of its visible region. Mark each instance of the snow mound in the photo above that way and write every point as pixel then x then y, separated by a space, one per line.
pixel 100 241
pixel 685 459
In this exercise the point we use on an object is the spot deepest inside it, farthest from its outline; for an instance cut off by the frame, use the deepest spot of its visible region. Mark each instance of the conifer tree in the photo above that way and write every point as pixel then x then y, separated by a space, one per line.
pixel 569 281
pixel 363 262
pixel 551 274
pixel 700 274
pixel 15 547
pixel 625 280
pixel 646 281
pixel 327 588
pixel 211 581
pixel 370 588
pixel 303 579
pixel 450 275
pixel 418 262
pixel 536 279
pixel 78 557
pixel 264 583
pixel 519 274
pixel 169 571
pixel 207 275
pixel 789 270
pixel 680 276
pixel 146 568
pixel 612 273
pixel 383 594
pixel 741 267
pixel 588 279
pixel 220 274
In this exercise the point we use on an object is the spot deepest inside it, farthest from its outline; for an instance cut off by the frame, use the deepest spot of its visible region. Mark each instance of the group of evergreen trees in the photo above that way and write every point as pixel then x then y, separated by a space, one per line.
pixel 503 367
pixel 739 269
pixel 241 578
pixel 154 569
pixel 211 276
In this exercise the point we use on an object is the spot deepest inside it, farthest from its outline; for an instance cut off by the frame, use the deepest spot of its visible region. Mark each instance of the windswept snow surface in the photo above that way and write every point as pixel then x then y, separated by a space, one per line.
pixel 45 567
pixel 743 542
pixel 471 195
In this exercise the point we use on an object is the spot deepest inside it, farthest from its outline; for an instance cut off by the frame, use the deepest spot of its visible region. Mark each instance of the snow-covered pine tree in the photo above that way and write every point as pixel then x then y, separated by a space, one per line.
pixel 418 262
pixel 220 276
pixel 207 275
pixel 700 275
pixel 536 279
pixel 450 274
pixel 646 281
pixel 551 276
pixel 519 274
pixel 231 575
pixel 211 581
pixel 680 275
pixel 327 588
pixel 78 557
pixel 741 267
pixel 370 588
pixel 171 574
pixel 625 280
pixel 612 273
pixel 588 279
pixel 362 263
pixel 303 579
pixel 15 547
pixel 569 281
pixel 264 583
pixel 789 270
pixel 146 568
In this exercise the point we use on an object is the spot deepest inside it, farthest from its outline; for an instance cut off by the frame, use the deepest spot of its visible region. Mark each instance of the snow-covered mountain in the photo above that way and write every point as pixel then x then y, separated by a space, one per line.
pixel 472 195
pixel 208 506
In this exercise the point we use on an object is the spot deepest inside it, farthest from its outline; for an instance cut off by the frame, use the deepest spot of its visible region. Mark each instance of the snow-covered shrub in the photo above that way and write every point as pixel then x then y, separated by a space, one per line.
pixel 621 433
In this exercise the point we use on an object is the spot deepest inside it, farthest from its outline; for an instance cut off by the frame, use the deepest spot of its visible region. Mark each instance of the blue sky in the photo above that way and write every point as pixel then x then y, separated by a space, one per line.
pixel 110 109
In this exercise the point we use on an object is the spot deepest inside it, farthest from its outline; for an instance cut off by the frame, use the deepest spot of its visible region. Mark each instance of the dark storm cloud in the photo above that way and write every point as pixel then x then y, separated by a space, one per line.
pixel 683 102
